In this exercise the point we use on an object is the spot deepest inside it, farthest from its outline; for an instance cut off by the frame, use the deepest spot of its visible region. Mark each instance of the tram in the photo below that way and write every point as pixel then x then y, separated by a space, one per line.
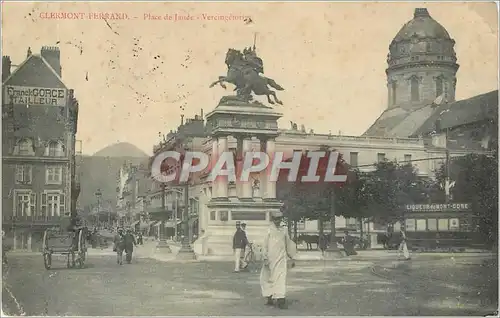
pixel 442 227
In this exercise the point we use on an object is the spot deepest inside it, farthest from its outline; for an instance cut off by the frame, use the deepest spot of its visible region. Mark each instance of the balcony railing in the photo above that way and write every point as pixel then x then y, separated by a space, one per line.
pixel 31 219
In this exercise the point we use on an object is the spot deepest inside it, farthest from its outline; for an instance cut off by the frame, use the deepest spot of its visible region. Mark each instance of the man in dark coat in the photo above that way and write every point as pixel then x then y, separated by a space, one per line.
pixel 129 245
pixel 348 242
pixel 240 242
pixel 119 246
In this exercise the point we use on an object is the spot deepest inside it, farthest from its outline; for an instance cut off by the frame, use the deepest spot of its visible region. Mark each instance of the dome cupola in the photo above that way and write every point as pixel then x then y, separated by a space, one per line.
pixel 421 63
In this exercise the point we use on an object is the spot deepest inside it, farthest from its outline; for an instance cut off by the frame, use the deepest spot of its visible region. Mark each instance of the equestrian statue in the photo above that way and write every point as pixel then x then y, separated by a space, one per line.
pixel 244 69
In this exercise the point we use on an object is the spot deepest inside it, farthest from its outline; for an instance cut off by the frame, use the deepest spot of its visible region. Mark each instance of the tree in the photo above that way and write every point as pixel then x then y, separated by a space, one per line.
pixel 476 182
pixel 310 200
pixel 353 198
pixel 389 187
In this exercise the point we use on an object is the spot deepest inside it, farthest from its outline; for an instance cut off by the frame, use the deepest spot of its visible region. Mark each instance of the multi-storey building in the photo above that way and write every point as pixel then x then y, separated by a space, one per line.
pixel 39 124
pixel 131 188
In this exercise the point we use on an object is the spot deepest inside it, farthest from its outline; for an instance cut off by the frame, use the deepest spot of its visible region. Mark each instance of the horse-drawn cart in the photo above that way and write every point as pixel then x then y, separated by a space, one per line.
pixel 70 244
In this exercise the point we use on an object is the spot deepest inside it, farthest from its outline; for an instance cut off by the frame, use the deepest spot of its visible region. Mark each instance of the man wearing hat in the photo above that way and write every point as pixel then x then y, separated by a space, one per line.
pixel 119 246
pixel 239 243
pixel 277 248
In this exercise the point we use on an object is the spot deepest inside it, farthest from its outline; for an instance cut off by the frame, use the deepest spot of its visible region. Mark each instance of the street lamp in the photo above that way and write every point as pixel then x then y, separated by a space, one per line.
pixel 98 195
pixel 186 252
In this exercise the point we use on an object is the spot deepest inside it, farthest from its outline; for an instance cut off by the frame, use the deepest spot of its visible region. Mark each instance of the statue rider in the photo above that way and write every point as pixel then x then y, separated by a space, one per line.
pixel 255 62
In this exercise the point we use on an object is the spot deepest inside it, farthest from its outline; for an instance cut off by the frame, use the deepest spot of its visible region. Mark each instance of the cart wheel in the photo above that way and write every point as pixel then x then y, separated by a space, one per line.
pixel 47 260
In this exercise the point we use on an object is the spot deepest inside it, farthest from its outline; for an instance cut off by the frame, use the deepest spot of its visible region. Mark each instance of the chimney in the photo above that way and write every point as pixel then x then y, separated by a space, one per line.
pixel 52 55
pixel 6 65
pixel 421 12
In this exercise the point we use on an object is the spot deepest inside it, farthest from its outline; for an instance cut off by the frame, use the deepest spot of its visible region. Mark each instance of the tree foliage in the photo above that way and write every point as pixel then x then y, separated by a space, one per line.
pixel 308 200
pixel 476 182
pixel 391 186
pixel 379 194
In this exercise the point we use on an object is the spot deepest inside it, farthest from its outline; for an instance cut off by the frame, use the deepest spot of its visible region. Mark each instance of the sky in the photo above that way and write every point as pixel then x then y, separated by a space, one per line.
pixel 134 78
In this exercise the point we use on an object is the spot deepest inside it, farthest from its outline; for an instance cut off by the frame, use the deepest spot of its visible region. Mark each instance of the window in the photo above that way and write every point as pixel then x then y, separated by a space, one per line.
pixel 53 175
pixel 410 225
pixel 421 224
pixel 407 159
pixel 454 225
pixel 53 204
pixel 212 215
pixel 24 203
pixel 443 225
pixel 54 149
pixel 23 174
pixel 394 90
pixel 25 147
pixel 439 86
pixel 353 160
pixel 446 90
pixel 380 157
pixel 415 90
pixel 432 224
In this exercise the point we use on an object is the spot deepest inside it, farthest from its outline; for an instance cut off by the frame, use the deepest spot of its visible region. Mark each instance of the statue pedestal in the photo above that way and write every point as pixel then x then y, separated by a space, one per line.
pixel 255 213
pixel 241 201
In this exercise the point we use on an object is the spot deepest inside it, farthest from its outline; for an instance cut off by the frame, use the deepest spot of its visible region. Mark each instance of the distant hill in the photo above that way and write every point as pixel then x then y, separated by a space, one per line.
pixel 121 149
pixel 100 171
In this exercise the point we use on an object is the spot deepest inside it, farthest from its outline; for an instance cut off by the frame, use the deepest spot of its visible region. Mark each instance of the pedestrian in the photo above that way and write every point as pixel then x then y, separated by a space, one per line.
pixel 348 242
pixel 246 250
pixel 323 243
pixel 277 248
pixel 403 246
pixel 129 242
pixel 119 246
pixel 239 243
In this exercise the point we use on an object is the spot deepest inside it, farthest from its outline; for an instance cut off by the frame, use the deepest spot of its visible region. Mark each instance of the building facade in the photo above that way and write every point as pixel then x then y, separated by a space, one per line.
pixel 131 189
pixel 39 124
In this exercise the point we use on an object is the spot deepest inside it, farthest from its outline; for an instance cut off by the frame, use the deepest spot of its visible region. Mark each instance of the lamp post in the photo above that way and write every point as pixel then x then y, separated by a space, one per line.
pixel 98 195
pixel 186 252
pixel 162 243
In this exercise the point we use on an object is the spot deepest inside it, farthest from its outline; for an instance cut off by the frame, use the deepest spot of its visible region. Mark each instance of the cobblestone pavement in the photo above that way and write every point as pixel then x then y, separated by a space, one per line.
pixel 149 287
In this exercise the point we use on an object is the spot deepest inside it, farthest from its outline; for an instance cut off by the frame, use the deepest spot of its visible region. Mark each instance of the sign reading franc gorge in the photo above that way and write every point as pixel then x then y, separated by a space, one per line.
pixel 24 95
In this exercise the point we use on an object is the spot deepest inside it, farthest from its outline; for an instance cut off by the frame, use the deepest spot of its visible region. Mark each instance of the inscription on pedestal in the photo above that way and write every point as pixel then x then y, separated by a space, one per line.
pixel 248 216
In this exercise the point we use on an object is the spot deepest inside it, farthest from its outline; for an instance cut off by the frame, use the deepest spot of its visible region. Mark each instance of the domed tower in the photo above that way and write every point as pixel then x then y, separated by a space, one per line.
pixel 421 64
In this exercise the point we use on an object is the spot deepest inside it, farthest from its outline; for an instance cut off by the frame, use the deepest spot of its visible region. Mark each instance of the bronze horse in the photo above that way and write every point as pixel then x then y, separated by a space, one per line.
pixel 246 79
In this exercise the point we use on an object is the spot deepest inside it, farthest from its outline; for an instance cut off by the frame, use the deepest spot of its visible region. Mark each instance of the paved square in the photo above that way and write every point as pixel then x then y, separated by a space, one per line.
pixel 149 287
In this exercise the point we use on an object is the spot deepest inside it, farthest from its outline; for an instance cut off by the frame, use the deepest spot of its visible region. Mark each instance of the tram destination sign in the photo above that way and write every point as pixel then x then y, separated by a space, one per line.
pixel 35 96
pixel 449 207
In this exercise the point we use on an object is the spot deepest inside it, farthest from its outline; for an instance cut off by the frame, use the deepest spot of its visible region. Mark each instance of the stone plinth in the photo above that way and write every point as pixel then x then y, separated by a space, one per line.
pixel 255 212
pixel 237 202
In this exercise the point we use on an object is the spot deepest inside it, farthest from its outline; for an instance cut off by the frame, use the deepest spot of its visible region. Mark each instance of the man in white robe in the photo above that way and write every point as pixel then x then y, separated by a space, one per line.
pixel 277 248
pixel 403 247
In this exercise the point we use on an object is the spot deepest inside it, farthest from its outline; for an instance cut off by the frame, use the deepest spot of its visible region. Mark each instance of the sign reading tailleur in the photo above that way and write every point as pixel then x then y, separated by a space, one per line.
pixel 24 95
